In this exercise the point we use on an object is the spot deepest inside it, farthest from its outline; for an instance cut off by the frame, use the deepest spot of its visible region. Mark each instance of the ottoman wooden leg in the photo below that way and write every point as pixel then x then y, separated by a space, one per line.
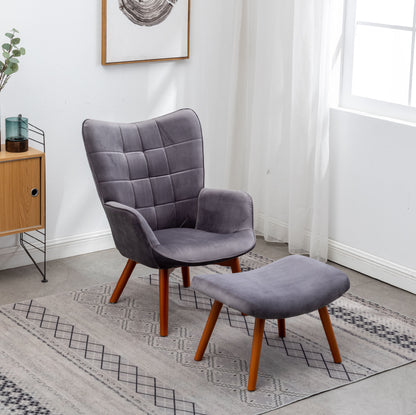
pixel 209 327
pixel 326 322
pixel 255 353
pixel 281 323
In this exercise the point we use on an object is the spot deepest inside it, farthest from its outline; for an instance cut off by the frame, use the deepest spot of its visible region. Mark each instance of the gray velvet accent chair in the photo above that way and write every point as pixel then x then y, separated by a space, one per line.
pixel 150 179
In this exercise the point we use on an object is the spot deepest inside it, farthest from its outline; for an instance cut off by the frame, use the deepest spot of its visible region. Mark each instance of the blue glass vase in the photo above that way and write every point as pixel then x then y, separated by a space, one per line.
pixel 17 134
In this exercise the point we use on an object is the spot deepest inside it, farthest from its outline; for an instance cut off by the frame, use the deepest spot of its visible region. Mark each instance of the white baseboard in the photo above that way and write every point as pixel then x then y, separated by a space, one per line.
pixel 13 257
pixel 373 266
pixel 368 264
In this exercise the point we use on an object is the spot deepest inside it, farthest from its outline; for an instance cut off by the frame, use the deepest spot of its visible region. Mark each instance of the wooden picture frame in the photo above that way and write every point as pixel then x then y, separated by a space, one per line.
pixel 157 30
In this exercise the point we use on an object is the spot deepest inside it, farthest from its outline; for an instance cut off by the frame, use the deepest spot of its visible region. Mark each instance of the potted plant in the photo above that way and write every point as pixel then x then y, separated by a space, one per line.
pixel 11 51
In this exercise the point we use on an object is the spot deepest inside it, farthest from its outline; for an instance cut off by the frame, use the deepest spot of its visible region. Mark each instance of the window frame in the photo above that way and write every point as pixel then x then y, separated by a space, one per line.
pixel 373 106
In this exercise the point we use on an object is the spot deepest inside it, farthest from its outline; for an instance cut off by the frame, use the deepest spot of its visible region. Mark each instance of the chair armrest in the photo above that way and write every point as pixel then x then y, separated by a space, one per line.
pixel 132 234
pixel 224 211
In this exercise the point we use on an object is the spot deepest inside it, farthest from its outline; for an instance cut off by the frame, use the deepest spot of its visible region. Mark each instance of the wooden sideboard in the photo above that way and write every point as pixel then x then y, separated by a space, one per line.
pixel 22 191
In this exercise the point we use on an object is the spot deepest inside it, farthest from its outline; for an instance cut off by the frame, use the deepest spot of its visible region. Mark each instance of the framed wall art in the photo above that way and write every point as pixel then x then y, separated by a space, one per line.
pixel 144 30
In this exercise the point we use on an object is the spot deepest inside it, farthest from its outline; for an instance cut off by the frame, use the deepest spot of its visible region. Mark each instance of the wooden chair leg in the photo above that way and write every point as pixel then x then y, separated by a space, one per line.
pixel 282 327
pixel 233 263
pixel 128 269
pixel 186 277
pixel 209 327
pixel 326 322
pixel 235 268
pixel 164 301
pixel 255 353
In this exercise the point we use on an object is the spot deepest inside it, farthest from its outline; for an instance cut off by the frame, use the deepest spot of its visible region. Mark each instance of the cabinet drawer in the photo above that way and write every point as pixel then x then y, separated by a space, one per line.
pixel 21 195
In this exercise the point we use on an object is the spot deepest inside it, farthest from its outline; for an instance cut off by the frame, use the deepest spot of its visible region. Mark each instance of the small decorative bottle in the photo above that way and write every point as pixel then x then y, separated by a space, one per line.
pixel 16 134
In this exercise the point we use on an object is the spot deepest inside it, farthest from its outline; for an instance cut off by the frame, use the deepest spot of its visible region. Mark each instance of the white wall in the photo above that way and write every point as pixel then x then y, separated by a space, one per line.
pixel 373 196
pixel 61 82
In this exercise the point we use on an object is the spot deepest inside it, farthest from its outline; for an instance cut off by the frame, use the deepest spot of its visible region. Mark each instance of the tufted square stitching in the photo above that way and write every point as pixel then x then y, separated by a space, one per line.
pixel 110 166
pixel 174 130
pixel 162 189
pixel 170 172
pixel 188 183
pixel 127 162
pixel 184 156
pixel 137 164
pixel 150 136
pixel 166 216
pixel 131 138
pixel 143 193
pixel 166 138
pixel 157 162
pixel 155 158
pixel 106 138
pixel 118 191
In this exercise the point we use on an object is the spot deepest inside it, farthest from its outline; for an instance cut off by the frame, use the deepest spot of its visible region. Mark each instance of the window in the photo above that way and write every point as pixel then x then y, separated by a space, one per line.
pixel 379 70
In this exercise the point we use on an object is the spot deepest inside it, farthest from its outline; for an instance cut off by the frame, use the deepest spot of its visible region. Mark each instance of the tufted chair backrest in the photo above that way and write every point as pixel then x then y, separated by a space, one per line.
pixel 154 166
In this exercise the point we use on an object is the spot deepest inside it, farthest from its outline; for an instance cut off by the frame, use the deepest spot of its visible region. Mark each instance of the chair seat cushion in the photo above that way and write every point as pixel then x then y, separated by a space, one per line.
pixel 289 287
pixel 186 246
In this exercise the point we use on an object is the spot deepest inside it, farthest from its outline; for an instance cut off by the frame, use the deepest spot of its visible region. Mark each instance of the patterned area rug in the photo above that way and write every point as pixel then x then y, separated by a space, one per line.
pixel 74 353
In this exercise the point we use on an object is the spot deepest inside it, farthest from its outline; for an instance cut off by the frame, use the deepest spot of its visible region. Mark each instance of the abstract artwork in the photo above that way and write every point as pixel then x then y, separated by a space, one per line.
pixel 144 30
pixel 146 13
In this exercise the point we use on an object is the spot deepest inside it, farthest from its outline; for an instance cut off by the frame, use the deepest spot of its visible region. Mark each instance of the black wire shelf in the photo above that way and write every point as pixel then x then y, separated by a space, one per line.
pixel 36 239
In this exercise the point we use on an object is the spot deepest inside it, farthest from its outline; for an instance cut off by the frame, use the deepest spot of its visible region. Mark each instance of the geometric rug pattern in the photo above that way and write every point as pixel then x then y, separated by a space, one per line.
pixel 144 385
pixel 96 357
pixel 15 400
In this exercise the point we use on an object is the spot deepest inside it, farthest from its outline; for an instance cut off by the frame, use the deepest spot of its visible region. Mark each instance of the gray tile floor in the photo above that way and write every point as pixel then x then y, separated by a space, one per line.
pixel 392 392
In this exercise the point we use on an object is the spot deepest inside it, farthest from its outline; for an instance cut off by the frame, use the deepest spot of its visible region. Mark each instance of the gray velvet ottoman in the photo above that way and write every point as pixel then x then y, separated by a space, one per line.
pixel 289 287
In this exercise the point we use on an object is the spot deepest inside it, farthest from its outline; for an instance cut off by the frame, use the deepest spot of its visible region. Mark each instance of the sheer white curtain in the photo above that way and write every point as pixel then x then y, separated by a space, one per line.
pixel 279 136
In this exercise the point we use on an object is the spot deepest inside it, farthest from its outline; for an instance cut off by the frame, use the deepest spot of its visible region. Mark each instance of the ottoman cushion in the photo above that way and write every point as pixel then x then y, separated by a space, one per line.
pixel 289 287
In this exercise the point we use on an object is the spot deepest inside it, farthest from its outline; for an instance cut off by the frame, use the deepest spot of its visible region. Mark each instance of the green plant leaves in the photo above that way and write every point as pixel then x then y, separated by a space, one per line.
pixel 10 51
pixel 11 69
